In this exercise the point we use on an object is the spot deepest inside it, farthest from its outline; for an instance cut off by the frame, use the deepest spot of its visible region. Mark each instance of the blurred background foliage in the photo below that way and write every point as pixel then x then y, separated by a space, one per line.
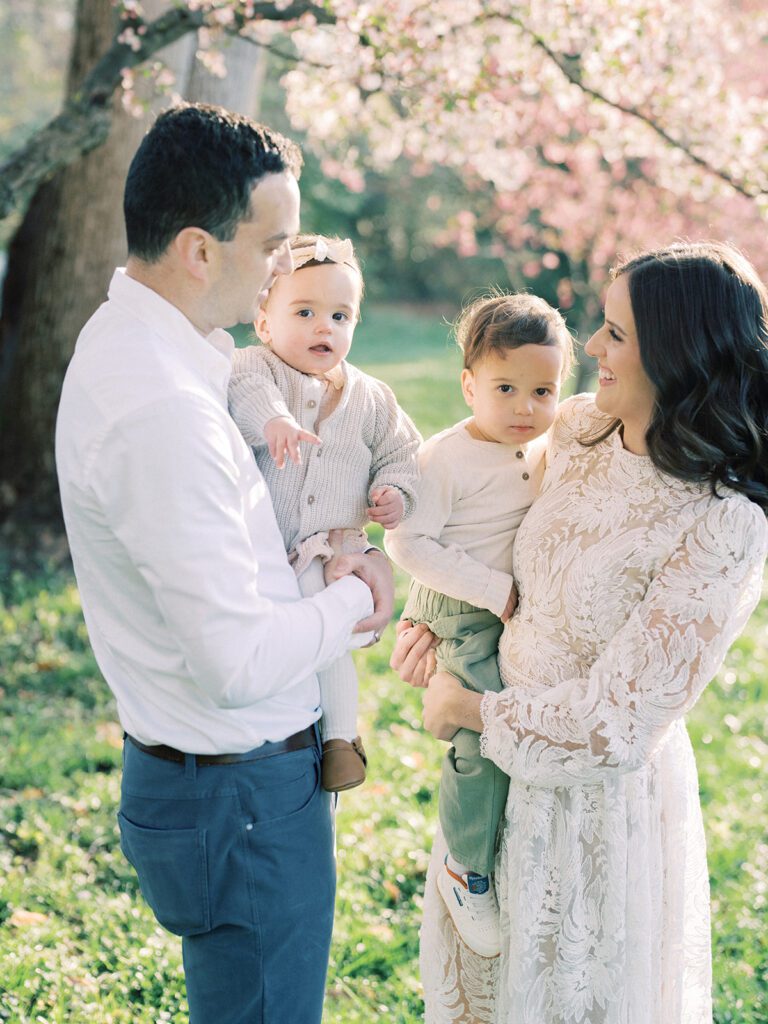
pixel 406 223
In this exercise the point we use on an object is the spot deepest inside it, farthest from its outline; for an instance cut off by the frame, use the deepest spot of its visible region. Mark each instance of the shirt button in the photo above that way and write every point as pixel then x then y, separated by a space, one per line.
pixel 311 403
pixel 249 827
pixel 526 476
pixel 311 499
pixel 518 455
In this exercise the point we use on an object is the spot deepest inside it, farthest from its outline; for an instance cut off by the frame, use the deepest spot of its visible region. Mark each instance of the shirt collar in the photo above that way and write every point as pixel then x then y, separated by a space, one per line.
pixel 211 354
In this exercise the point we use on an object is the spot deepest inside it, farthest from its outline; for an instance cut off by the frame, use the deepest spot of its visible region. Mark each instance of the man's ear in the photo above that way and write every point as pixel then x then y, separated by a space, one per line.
pixel 468 387
pixel 195 249
pixel 261 326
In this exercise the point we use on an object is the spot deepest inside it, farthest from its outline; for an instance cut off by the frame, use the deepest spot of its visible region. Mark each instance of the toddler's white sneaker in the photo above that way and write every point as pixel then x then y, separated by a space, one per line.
pixel 471 902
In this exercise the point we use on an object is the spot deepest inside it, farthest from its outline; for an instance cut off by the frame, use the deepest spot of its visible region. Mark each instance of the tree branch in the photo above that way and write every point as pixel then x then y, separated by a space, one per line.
pixel 289 58
pixel 86 117
pixel 572 71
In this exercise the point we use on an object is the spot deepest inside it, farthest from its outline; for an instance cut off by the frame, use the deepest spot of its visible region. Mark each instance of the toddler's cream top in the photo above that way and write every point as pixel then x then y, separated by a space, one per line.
pixel 472 497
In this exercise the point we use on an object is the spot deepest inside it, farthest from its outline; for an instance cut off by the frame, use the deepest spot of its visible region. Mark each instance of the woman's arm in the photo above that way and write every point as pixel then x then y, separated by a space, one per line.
pixel 652 671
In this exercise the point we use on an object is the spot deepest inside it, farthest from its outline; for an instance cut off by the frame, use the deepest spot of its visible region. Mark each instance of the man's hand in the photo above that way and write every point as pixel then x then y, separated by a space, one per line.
pixel 388 507
pixel 282 434
pixel 510 606
pixel 413 657
pixel 374 570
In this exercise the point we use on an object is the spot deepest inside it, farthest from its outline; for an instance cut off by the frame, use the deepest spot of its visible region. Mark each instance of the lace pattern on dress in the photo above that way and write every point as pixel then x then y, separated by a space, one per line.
pixel 632 587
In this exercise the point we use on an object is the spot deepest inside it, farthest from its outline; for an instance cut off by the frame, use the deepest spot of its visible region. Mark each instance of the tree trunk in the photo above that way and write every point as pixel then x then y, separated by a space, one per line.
pixel 62 257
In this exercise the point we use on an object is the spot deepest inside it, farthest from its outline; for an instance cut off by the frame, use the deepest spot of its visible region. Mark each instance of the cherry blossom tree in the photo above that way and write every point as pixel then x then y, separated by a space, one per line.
pixel 598 126
pixel 581 127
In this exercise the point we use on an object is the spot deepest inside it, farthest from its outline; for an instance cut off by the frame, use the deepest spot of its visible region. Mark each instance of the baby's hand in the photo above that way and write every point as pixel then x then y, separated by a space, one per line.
pixel 510 605
pixel 388 507
pixel 282 434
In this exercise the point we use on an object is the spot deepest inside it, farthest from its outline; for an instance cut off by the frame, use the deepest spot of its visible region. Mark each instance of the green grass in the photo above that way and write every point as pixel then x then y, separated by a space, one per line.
pixel 77 944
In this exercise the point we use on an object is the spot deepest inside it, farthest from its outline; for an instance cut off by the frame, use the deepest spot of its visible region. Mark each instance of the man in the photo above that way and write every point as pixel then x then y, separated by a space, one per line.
pixel 194 615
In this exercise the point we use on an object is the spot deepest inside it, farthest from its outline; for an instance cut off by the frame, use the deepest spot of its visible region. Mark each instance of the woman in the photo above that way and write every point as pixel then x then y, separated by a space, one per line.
pixel 637 566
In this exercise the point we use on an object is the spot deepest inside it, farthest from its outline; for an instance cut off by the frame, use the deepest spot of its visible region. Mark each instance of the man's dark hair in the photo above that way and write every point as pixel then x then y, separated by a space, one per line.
pixel 197 167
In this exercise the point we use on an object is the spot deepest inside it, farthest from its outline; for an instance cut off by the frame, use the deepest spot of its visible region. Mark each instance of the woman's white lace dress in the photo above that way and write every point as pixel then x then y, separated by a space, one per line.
pixel 632 587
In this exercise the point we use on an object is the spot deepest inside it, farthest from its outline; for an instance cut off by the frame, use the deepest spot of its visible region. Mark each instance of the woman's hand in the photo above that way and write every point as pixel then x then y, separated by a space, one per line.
pixel 413 656
pixel 448 707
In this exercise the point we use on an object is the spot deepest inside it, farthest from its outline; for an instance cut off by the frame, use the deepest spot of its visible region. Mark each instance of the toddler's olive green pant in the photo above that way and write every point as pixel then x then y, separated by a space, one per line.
pixel 473 791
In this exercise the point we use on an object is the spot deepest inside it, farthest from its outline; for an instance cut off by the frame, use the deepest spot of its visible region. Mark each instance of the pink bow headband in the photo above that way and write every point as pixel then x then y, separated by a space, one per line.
pixel 324 249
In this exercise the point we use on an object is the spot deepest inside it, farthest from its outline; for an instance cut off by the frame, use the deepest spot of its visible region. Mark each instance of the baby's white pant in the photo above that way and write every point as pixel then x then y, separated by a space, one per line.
pixel 338 682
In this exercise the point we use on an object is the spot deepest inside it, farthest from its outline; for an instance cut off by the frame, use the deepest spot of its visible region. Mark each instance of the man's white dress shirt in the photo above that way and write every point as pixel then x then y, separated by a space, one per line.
pixel 194 615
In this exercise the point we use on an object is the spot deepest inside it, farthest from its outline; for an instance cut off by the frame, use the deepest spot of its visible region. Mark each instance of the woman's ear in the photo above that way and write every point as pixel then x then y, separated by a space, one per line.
pixel 468 387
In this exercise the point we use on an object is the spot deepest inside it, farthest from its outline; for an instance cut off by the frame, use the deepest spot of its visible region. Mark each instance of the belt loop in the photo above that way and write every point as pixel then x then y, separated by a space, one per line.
pixel 318 736
pixel 190 766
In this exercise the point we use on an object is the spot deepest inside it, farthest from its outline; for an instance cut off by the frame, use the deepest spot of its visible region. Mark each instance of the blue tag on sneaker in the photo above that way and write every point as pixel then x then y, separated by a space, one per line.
pixel 478 884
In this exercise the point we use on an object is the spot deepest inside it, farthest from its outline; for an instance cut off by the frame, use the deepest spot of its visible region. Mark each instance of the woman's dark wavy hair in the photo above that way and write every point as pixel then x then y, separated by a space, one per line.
pixel 701 316
pixel 197 167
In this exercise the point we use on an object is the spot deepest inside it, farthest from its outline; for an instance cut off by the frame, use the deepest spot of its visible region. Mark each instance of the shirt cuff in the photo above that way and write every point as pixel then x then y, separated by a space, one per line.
pixel 497 592
pixel 355 594
pixel 351 601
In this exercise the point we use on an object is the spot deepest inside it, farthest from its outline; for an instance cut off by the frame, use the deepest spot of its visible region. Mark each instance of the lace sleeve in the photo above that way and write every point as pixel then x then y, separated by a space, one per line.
pixel 649 675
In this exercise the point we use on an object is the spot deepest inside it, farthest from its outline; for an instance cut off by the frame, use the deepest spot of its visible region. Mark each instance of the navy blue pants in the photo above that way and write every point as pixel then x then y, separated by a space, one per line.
pixel 238 860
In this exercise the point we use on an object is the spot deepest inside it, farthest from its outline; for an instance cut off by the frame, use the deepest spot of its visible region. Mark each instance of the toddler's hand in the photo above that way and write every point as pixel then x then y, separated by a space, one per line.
pixel 510 605
pixel 388 507
pixel 282 434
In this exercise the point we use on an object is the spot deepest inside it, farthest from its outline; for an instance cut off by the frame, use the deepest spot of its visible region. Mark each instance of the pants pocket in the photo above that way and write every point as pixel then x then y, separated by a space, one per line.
pixel 172 867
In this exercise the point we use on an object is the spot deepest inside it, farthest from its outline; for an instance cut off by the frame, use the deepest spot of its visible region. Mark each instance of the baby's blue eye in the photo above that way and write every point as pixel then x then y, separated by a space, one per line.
pixel 506 389
pixel 542 392
pixel 304 313
pixel 341 317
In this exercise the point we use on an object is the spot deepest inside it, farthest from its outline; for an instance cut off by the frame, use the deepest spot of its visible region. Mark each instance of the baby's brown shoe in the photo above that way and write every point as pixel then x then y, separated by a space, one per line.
pixel 343 765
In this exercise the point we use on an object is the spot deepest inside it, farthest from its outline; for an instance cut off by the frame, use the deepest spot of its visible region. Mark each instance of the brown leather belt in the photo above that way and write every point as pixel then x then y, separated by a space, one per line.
pixel 306 738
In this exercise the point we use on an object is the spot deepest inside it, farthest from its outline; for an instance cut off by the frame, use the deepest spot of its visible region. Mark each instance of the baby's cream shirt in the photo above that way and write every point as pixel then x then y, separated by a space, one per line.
pixel 471 499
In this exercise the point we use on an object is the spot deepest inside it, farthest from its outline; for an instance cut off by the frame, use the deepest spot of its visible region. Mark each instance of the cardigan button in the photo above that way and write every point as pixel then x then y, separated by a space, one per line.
pixel 526 476
pixel 518 455
pixel 311 499
pixel 311 403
